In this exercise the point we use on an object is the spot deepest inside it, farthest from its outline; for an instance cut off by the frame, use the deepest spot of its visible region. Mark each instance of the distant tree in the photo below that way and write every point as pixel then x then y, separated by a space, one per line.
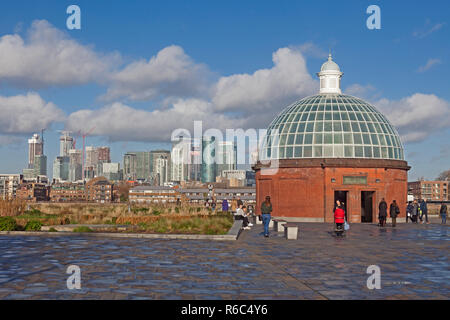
pixel 445 175
pixel 124 188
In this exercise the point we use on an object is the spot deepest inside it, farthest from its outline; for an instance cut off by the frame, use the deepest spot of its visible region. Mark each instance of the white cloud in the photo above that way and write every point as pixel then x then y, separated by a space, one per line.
pixel 430 63
pixel 360 91
pixel 120 122
pixel 427 30
pixel 48 57
pixel 418 116
pixel 24 114
pixel 266 89
pixel 170 73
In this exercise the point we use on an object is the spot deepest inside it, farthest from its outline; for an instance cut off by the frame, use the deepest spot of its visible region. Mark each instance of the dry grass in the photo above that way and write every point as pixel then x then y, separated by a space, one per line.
pixel 12 208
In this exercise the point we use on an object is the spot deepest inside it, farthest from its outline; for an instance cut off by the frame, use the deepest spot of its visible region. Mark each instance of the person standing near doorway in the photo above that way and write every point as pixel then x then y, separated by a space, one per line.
pixel 424 209
pixel 415 212
pixel 382 213
pixel 409 209
pixel 443 212
pixel 266 210
pixel 394 211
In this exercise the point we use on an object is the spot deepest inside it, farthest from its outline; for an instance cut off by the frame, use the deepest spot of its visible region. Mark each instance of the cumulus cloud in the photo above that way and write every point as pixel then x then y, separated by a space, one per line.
pixel 361 91
pixel 417 116
pixel 428 29
pixel 48 57
pixel 266 89
pixel 120 122
pixel 170 73
pixel 23 114
pixel 430 63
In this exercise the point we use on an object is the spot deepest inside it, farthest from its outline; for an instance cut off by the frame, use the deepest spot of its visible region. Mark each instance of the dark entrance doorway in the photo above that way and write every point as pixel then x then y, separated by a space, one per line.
pixel 342 197
pixel 367 206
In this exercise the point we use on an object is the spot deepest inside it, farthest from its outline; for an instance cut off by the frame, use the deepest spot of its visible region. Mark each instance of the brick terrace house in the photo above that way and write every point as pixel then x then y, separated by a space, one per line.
pixel 100 190
pixel 33 191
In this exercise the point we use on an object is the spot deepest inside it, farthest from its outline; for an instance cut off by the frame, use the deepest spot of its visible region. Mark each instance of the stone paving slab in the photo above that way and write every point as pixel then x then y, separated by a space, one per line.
pixel 414 263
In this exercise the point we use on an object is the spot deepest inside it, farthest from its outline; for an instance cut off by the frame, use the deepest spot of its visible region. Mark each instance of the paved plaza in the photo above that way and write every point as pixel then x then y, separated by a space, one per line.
pixel 414 263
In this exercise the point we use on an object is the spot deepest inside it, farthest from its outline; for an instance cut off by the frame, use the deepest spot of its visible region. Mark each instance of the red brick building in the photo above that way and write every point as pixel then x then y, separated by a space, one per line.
pixel 331 146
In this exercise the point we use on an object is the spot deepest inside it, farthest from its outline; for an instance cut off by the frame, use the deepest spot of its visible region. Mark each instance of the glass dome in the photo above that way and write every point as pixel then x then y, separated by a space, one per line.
pixel 331 126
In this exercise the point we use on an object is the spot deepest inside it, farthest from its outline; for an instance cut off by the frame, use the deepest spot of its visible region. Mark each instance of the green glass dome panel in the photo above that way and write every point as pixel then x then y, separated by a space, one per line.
pixel 331 126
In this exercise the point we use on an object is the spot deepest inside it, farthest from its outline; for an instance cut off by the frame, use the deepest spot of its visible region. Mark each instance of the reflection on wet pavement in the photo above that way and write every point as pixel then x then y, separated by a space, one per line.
pixel 414 262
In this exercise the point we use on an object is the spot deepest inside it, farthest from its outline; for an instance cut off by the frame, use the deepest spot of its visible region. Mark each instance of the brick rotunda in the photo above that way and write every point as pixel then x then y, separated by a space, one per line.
pixel 331 146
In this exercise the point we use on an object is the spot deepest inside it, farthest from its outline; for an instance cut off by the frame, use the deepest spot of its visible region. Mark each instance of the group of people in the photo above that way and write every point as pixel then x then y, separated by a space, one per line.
pixel 239 210
pixel 414 211
pixel 394 211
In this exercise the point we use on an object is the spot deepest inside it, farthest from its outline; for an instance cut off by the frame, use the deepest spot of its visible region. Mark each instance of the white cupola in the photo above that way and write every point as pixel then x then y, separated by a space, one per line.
pixel 330 77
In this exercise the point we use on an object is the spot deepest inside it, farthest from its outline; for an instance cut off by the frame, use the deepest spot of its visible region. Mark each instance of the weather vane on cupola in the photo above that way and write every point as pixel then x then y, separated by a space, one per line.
pixel 330 76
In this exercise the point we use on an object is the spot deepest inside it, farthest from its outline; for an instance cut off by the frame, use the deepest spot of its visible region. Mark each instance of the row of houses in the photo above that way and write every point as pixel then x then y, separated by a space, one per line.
pixel 38 190
pixel 162 194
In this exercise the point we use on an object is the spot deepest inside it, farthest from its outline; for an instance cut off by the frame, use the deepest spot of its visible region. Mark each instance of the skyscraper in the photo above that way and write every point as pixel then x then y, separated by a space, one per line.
pixel 61 168
pixel 129 166
pixel 75 167
pixel 208 159
pixel 35 148
pixel 225 157
pixel 180 156
pixel 65 144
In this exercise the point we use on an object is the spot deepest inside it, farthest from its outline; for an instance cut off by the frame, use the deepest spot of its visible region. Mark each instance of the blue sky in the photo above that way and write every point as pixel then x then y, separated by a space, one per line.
pixel 218 44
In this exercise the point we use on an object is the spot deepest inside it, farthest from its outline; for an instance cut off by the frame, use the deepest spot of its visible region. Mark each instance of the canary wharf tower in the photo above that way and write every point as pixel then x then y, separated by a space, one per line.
pixel 329 147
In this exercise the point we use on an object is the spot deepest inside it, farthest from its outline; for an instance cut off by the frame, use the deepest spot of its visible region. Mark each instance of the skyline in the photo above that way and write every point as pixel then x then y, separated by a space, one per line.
pixel 140 82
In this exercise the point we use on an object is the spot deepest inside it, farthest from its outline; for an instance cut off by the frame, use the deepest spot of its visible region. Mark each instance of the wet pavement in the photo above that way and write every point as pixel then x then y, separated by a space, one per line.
pixel 413 259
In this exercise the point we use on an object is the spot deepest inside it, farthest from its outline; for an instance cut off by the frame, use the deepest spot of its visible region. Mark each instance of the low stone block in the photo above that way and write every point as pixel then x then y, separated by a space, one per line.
pixel 290 231
pixel 257 221
pixel 278 225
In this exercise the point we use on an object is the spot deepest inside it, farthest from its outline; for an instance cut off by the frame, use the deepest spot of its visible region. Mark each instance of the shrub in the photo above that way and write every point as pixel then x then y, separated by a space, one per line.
pixel 156 212
pixel 66 221
pixel 7 224
pixel 52 230
pixel 83 229
pixel 198 209
pixel 33 225
pixel 177 210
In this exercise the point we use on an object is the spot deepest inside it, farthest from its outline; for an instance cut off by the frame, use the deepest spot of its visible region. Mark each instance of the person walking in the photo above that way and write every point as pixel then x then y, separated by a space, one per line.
pixel 382 213
pixel 443 212
pixel 339 217
pixel 409 208
pixel 239 202
pixel 225 205
pixel 415 212
pixel 234 205
pixel 394 211
pixel 424 209
pixel 266 210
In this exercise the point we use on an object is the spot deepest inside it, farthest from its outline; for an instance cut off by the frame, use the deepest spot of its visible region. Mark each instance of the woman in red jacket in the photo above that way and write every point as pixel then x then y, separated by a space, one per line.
pixel 339 216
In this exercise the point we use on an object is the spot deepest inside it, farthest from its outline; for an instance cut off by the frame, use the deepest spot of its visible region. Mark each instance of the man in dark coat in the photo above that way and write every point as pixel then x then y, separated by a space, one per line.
pixel 415 212
pixel 409 209
pixel 443 212
pixel 382 207
pixel 394 210
pixel 424 209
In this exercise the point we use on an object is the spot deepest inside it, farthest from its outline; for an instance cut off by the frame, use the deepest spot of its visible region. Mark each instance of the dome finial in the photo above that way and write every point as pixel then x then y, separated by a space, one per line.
pixel 330 76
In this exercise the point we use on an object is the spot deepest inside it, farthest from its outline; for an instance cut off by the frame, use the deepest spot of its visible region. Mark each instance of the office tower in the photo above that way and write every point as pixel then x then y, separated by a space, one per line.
pixel 225 157
pixel 75 167
pixel 65 144
pixel 208 159
pixel 129 166
pixel 35 148
pixel 61 168
pixel 180 156
pixel 40 165
pixel 195 167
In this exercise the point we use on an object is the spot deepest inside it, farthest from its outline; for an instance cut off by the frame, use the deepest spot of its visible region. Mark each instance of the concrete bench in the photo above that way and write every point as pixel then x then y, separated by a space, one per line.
pixel 278 225
pixel 256 220
pixel 290 231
